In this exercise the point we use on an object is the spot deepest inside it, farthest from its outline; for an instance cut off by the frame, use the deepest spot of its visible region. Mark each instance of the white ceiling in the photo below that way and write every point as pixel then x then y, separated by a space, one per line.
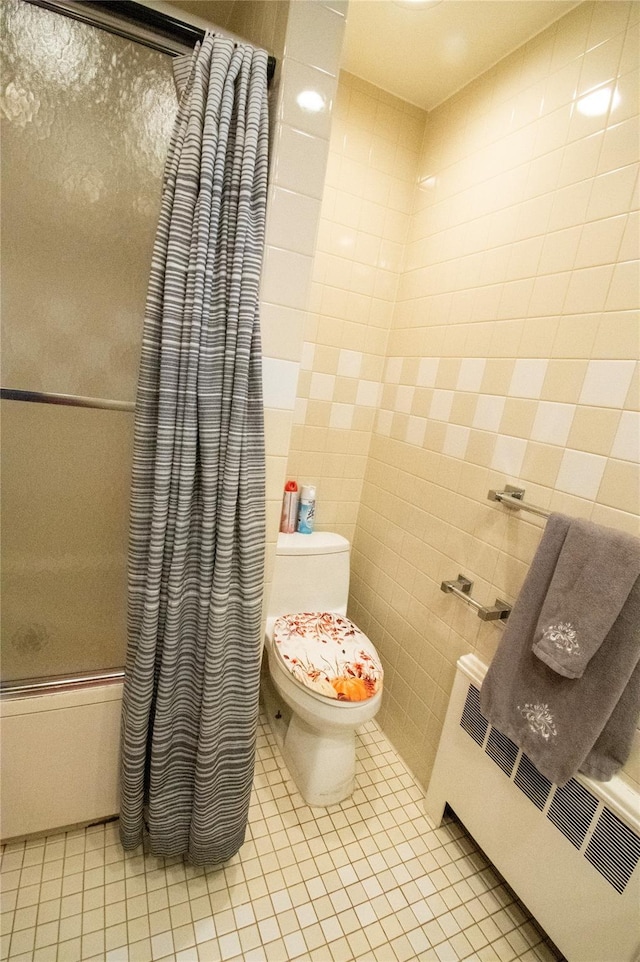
pixel 424 52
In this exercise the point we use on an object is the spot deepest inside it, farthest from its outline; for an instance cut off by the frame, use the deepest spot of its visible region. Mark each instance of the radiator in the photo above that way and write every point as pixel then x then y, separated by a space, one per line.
pixel 570 854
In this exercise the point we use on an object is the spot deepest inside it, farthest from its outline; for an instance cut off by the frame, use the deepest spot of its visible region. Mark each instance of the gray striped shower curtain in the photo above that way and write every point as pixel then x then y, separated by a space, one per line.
pixel 196 554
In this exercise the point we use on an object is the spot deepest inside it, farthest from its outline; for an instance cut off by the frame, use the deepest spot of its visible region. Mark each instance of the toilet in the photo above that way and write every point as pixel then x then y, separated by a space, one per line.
pixel 324 676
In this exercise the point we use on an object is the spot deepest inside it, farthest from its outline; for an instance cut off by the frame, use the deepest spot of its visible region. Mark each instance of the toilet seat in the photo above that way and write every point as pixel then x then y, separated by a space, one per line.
pixel 328 654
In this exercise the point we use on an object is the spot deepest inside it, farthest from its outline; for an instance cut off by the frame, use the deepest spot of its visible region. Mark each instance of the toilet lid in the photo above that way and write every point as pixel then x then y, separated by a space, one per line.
pixel 329 654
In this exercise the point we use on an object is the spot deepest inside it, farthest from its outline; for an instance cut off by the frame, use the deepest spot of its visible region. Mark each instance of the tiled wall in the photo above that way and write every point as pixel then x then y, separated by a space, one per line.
pixel 512 355
pixel 364 219
pixel 263 22
pixel 313 43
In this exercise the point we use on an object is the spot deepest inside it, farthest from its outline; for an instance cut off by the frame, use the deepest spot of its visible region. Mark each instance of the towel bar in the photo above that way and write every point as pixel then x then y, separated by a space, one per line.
pixel 513 498
pixel 499 611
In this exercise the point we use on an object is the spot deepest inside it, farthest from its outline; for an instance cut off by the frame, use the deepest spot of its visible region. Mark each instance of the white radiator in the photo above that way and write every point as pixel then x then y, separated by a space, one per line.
pixel 571 854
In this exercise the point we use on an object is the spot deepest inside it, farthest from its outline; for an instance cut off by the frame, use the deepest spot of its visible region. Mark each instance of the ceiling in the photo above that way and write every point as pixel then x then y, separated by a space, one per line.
pixel 424 52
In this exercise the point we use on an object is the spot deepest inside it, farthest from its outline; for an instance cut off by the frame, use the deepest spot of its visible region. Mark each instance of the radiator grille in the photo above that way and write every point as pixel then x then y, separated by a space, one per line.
pixel 533 783
pixel 502 750
pixel 571 811
pixel 472 720
pixel 614 850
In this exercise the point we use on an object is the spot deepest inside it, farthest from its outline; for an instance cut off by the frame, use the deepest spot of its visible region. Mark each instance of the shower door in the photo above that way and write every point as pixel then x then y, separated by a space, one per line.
pixel 86 120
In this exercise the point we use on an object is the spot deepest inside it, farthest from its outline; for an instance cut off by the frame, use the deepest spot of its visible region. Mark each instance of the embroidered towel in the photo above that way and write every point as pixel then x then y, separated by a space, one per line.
pixel 565 724
pixel 596 570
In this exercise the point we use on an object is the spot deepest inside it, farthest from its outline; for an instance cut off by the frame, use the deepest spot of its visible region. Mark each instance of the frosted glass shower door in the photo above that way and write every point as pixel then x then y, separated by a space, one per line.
pixel 86 120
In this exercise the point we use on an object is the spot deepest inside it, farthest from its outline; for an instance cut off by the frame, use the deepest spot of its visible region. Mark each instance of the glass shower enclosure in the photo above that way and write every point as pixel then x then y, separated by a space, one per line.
pixel 86 118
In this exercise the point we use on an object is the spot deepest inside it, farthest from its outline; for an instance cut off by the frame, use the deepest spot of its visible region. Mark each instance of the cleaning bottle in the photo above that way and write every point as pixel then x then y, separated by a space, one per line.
pixel 307 509
pixel 289 508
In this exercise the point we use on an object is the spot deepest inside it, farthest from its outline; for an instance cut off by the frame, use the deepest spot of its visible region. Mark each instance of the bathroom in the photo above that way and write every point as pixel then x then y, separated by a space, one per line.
pixel 447 306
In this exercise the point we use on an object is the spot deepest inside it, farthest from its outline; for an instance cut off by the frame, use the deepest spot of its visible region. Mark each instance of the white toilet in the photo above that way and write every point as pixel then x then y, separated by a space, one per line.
pixel 325 676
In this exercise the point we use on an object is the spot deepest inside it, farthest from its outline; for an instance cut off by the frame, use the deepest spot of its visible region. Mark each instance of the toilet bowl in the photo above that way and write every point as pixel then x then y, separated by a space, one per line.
pixel 324 677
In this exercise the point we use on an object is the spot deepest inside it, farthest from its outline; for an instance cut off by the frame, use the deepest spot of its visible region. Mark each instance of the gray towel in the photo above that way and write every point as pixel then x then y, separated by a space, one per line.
pixel 596 570
pixel 565 724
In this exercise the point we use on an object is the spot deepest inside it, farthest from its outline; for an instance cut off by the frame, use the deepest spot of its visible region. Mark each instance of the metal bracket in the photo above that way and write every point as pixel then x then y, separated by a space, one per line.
pixel 512 491
pixel 499 611
pixel 461 587
pixel 460 584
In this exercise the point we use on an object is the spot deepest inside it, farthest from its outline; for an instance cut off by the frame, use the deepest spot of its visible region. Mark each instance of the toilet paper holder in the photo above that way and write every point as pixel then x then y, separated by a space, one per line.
pixel 461 588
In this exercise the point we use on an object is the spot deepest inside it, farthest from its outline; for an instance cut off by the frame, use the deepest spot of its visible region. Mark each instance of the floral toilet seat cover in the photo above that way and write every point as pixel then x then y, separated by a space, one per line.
pixel 329 654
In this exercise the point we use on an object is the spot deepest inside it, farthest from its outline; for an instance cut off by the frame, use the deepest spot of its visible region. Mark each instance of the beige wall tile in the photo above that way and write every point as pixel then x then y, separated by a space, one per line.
pixel 564 380
pixel 620 486
pixel 373 155
pixel 519 257
pixel 518 417
pixel 594 429
pixel 473 296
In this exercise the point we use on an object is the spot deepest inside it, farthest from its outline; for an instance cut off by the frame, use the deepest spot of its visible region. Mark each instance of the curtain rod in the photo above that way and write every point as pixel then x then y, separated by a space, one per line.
pixel 135 21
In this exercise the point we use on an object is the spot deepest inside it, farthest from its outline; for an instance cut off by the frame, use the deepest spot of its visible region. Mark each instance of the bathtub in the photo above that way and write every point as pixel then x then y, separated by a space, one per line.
pixel 60 755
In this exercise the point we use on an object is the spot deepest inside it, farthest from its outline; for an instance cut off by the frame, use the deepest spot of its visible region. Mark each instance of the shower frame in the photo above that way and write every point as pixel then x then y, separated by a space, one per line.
pixel 166 34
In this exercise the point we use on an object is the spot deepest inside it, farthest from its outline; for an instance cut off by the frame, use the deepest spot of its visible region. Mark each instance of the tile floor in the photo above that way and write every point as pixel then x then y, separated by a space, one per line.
pixel 370 879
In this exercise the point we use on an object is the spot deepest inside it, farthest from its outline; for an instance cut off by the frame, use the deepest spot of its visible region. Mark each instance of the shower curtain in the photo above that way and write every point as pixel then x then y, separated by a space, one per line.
pixel 196 554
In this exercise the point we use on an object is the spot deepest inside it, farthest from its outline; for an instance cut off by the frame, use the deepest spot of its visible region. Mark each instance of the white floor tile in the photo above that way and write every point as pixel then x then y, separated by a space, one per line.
pixel 369 880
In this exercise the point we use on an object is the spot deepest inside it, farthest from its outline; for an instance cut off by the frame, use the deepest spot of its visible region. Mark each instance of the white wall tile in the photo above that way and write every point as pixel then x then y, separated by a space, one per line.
pixel 308 354
pixel 489 411
pixel 528 377
pixel 428 371
pixel 508 455
pixel 626 445
pixel 606 383
pixel 298 79
pixel 286 278
pixel 441 403
pixel 471 373
pixel 292 223
pixel 314 36
pixel 300 161
pixel 552 422
pixel 580 473
pixel 368 393
pixel 338 6
pixel 279 383
pixel 282 330
pixel 349 363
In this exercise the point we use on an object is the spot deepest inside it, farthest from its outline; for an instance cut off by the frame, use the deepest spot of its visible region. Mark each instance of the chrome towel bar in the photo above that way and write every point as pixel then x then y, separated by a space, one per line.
pixel 512 497
pixel 461 588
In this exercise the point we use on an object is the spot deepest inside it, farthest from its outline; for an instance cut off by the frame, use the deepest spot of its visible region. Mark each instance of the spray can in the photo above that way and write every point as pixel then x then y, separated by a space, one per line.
pixel 307 509
pixel 289 508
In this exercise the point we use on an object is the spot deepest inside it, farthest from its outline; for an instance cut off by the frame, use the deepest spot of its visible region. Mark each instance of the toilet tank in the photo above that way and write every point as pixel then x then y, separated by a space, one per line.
pixel 311 574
